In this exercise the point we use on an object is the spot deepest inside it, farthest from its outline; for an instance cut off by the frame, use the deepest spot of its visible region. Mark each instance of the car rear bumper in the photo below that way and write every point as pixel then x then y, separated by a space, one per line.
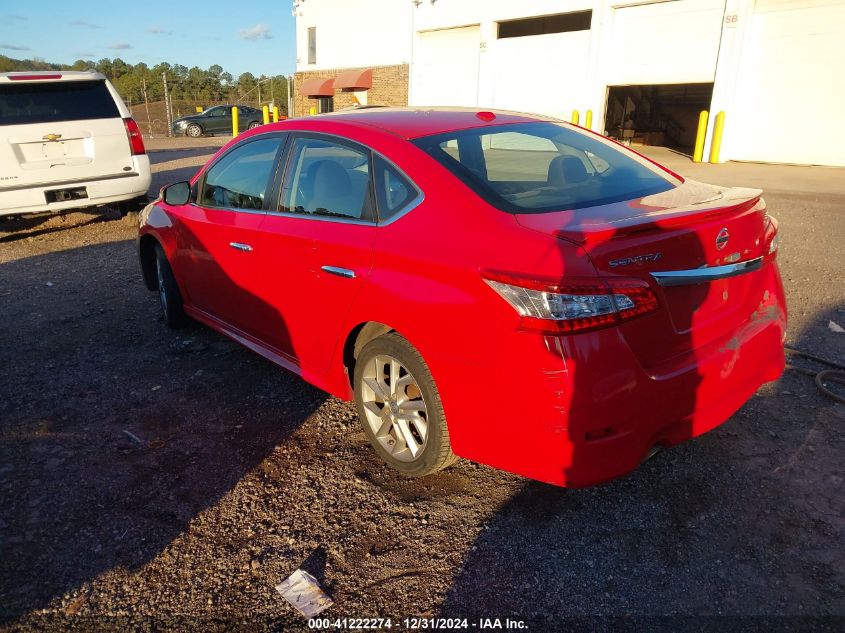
pixel 103 190
pixel 581 410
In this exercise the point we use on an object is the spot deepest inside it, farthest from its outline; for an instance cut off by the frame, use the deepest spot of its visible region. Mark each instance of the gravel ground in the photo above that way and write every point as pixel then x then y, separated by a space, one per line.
pixel 158 479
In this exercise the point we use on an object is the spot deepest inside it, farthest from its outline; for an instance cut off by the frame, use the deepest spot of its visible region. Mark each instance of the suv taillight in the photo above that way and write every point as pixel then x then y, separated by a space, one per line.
pixel 136 141
pixel 573 305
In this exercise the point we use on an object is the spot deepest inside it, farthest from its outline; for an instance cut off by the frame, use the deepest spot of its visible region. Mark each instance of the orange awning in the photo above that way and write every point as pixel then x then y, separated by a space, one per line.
pixel 354 80
pixel 318 87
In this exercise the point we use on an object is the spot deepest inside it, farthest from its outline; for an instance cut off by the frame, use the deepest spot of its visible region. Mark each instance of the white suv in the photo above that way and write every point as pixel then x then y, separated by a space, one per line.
pixel 67 141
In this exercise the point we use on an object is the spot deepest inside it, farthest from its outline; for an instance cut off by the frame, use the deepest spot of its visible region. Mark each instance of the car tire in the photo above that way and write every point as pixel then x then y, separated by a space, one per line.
pixel 406 425
pixel 170 299
pixel 193 130
pixel 254 124
pixel 132 206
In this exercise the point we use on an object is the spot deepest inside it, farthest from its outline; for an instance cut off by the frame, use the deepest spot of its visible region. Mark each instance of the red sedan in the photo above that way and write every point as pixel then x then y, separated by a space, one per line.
pixel 505 288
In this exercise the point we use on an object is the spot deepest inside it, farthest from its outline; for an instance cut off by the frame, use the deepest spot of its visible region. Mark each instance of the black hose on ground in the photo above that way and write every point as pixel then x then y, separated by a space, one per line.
pixel 836 375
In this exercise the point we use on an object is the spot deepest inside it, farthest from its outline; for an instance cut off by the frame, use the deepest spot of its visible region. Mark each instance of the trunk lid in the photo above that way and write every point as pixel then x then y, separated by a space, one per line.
pixel 691 226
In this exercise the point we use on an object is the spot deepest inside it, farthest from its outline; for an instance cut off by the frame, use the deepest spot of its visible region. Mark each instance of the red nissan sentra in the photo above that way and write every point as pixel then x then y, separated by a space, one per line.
pixel 502 287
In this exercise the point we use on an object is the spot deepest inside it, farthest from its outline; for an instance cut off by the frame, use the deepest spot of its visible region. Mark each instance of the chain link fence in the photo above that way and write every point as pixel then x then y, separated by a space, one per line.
pixel 152 117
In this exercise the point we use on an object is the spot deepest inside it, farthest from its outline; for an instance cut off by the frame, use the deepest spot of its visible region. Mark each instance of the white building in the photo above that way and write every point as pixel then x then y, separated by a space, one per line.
pixel 775 67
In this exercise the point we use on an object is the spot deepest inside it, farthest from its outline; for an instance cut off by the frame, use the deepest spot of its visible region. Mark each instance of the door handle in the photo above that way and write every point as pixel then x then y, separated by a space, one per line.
pixel 340 272
pixel 246 248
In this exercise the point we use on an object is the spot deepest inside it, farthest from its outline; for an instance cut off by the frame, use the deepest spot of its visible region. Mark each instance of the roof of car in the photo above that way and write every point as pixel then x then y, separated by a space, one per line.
pixel 415 122
pixel 51 75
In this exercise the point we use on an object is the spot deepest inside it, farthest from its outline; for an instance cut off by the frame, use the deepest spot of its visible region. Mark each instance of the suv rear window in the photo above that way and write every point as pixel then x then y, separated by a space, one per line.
pixel 37 102
pixel 537 167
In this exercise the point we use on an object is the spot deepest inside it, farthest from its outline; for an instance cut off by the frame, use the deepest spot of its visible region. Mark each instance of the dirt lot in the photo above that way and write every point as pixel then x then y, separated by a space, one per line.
pixel 158 479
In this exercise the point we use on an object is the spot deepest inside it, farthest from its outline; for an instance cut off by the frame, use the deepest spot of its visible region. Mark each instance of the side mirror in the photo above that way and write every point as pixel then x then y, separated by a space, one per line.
pixel 177 194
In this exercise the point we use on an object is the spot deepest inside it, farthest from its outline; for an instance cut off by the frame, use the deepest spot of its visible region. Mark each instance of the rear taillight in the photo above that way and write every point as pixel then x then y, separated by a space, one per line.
pixel 770 231
pixel 136 141
pixel 771 239
pixel 573 305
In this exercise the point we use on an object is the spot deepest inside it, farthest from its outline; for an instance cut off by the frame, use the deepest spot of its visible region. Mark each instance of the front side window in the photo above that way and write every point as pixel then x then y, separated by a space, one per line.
pixel 219 111
pixel 329 179
pixel 543 166
pixel 241 178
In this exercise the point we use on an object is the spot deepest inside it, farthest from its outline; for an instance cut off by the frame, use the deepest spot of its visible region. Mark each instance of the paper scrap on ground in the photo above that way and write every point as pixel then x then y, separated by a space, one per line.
pixel 835 327
pixel 303 591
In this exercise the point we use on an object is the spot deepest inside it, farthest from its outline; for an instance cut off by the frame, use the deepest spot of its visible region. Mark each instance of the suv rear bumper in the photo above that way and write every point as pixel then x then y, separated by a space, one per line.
pixel 103 190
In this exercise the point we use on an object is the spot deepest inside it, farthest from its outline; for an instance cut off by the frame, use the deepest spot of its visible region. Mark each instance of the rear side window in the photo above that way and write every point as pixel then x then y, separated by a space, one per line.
pixel 35 102
pixel 328 178
pixel 393 191
pixel 537 167
pixel 239 180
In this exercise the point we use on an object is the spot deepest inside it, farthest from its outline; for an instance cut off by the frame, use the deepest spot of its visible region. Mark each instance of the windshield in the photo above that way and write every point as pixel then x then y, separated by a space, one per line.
pixel 38 102
pixel 537 167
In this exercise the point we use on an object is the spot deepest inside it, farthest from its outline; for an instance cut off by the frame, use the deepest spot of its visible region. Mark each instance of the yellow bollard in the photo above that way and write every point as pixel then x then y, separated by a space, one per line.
pixel 698 153
pixel 588 120
pixel 575 117
pixel 199 109
pixel 716 141
pixel 312 111
pixel 266 113
pixel 275 114
pixel 234 121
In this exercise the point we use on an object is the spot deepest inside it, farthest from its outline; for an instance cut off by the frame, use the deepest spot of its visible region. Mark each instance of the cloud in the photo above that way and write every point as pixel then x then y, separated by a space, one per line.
pixel 14 47
pixel 258 32
pixel 12 18
pixel 120 46
pixel 81 54
pixel 86 24
pixel 157 30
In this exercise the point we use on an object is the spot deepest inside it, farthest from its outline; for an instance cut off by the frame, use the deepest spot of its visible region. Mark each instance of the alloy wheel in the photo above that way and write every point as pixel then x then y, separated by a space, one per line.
pixel 395 408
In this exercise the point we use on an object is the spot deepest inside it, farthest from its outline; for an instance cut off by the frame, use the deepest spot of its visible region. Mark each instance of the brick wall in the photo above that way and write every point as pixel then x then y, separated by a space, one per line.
pixel 390 88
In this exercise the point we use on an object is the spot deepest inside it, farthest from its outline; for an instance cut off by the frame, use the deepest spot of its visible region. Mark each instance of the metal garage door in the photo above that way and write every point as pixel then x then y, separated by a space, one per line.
pixel 790 93
pixel 665 43
pixel 445 67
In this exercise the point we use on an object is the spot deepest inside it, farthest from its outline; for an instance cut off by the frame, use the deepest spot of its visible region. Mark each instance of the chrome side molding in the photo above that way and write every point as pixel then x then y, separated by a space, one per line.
pixel 705 274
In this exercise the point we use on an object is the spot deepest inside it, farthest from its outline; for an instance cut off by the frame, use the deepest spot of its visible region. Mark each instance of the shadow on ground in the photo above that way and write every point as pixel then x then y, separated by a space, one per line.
pixel 116 432
pixel 745 520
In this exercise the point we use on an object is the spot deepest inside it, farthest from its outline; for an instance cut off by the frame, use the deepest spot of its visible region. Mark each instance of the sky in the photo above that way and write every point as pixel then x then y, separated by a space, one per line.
pixel 240 36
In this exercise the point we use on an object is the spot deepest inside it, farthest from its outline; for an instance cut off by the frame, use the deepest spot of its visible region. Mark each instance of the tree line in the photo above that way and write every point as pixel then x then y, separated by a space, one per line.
pixel 189 84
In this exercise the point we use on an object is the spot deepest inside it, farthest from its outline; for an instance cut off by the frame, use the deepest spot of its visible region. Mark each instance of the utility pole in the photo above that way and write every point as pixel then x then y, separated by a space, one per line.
pixel 147 105
pixel 167 105
pixel 259 93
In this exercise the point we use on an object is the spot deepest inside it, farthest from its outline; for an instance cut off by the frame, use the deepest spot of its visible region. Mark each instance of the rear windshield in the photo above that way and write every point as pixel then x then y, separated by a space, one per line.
pixel 36 102
pixel 538 167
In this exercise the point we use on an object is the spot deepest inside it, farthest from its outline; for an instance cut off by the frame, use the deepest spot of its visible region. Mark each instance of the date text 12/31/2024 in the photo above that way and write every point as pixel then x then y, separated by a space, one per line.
pixel 417 624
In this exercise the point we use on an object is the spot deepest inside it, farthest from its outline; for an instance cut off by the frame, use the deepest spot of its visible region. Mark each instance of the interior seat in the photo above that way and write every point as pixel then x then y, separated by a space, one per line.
pixel 332 190
pixel 566 170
